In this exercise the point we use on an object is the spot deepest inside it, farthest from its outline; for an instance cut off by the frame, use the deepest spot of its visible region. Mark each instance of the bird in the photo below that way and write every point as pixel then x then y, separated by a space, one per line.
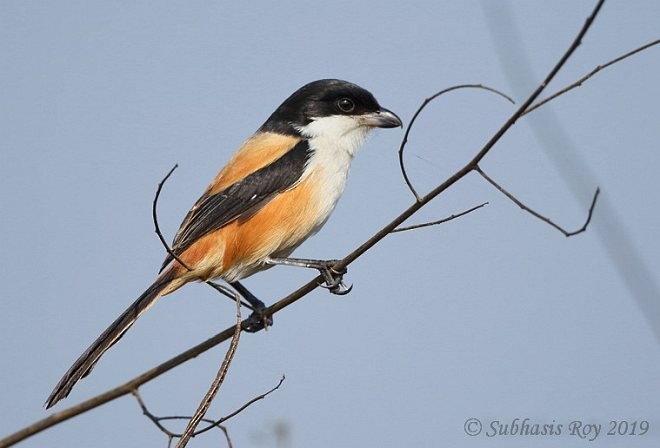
pixel 278 189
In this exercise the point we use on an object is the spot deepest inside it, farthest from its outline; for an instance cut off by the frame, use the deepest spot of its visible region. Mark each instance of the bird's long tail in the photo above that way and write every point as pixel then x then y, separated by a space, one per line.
pixel 165 284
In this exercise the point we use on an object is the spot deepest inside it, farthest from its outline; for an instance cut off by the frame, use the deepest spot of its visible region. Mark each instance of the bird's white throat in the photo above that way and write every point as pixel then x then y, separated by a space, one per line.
pixel 336 134
pixel 334 141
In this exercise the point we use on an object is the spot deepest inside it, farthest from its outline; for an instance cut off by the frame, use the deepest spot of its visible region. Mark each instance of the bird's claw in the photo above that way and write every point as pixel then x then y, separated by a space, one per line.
pixel 257 321
pixel 333 278
pixel 339 289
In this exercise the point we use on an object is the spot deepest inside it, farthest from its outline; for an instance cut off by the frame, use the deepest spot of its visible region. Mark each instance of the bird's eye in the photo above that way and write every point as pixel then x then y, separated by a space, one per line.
pixel 345 105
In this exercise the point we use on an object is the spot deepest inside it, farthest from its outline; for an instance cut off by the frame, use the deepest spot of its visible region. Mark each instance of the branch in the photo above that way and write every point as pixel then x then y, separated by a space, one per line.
pixel 241 409
pixel 155 420
pixel 215 386
pixel 425 103
pixel 126 388
pixel 538 215
pixel 579 82
pixel 211 423
pixel 441 221
pixel 472 163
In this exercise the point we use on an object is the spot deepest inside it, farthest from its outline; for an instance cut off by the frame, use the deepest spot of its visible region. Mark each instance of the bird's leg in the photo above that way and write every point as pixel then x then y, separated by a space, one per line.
pixel 227 292
pixel 331 276
pixel 258 320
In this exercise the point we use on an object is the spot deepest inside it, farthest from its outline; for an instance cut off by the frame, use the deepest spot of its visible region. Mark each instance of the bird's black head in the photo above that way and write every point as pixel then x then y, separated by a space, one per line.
pixel 325 98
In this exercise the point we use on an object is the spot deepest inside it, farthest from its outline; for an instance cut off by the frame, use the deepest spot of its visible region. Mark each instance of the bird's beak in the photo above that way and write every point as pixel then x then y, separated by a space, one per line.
pixel 381 119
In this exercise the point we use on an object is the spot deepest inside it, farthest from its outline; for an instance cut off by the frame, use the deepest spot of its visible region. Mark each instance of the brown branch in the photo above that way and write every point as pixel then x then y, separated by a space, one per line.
pixel 440 221
pixel 217 382
pixel 475 160
pixel 538 215
pixel 579 82
pixel 119 391
pixel 242 408
pixel 126 388
pixel 419 110
pixel 155 420
pixel 211 423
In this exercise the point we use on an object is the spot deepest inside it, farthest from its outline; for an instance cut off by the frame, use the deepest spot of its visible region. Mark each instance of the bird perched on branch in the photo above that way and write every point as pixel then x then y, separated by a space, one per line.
pixel 278 189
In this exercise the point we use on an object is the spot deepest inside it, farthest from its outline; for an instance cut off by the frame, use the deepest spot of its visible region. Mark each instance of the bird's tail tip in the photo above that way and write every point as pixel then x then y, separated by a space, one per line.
pixel 84 364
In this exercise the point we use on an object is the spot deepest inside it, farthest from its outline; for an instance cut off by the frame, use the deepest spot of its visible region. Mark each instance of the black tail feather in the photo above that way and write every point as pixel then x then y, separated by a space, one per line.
pixel 109 337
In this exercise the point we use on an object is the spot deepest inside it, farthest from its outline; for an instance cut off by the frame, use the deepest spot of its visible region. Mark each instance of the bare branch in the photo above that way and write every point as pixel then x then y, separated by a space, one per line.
pixel 215 386
pixel 441 221
pixel 469 166
pixel 579 82
pixel 211 423
pixel 538 215
pixel 224 430
pixel 242 408
pixel 425 103
pixel 155 420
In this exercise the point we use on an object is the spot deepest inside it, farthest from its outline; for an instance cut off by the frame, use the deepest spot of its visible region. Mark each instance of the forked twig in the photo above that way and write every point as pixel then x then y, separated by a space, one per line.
pixel 155 420
pixel 242 408
pixel 538 215
pixel 579 82
pixel 211 424
pixel 419 110
pixel 440 221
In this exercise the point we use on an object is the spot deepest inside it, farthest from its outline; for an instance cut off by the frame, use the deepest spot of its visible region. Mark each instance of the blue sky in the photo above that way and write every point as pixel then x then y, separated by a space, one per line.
pixel 495 316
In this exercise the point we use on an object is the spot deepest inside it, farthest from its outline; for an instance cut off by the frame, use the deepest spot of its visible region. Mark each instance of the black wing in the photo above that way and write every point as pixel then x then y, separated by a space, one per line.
pixel 241 199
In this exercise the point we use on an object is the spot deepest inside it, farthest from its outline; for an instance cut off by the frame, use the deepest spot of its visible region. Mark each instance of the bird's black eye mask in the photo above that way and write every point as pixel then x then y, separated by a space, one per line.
pixel 343 103
pixel 319 99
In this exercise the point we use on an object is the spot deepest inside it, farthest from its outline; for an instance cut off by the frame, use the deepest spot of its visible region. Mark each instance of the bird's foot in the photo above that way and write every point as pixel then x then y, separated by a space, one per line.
pixel 333 278
pixel 258 321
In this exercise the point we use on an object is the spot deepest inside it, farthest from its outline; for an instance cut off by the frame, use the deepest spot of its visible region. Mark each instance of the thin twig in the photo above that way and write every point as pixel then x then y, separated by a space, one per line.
pixel 579 82
pixel 538 215
pixel 126 388
pixel 217 382
pixel 425 103
pixel 154 215
pixel 155 420
pixel 242 408
pixel 441 221
pixel 224 430
pixel 211 423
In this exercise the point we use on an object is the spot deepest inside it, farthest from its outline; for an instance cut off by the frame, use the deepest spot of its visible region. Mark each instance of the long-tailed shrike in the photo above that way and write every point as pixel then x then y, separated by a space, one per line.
pixel 278 189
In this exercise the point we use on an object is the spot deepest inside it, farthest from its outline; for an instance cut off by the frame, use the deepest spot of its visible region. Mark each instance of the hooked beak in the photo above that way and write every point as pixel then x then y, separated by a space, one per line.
pixel 381 119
